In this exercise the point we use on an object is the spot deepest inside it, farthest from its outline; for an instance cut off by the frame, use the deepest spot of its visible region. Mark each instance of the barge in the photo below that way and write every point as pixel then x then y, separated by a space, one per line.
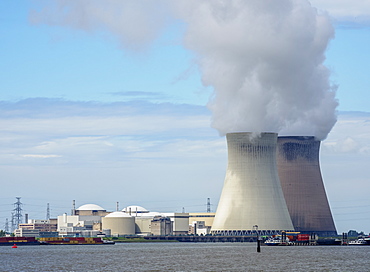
pixel 74 241
pixel 19 241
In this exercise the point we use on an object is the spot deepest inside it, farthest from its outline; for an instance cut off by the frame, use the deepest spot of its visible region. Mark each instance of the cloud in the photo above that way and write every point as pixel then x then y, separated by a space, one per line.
pixel 134 149
pixel 91 133
pixel 134 23
pixel 355 11
pixel 350 135
pixel 37 156
pixel 139 95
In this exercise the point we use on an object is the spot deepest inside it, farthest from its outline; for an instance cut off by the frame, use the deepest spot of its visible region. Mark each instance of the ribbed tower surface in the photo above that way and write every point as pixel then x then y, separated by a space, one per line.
pixel 252 193
pixel 302 184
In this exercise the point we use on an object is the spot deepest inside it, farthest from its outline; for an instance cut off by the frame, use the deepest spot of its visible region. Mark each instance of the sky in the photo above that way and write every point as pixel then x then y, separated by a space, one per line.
pixel 101 108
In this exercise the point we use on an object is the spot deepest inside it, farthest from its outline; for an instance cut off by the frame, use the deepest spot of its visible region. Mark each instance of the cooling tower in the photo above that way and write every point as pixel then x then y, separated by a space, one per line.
pixel 303 187
pixel 252 193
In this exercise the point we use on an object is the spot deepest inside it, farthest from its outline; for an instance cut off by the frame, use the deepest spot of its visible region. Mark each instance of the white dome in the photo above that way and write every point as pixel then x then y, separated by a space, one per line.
pixel 135 209
pixel 118 214
pixel 90 207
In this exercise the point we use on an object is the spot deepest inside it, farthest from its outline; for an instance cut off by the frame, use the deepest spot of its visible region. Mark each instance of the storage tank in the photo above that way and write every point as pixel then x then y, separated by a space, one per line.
pixel 119 223
pixel 300 176
pixel 252 194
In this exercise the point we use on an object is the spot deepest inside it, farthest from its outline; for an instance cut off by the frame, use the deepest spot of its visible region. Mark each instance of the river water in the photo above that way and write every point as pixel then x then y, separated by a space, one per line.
pixel 184 257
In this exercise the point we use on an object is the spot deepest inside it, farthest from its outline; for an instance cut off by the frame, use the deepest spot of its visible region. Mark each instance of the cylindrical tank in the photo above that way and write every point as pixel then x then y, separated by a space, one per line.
pixel 302 184
pixel 119 223
pixel 251 197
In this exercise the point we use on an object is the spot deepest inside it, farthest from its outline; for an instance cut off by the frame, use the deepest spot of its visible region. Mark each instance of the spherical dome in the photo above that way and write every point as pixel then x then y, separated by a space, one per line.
pixel 90 207
pixel 135 209
pixel 118 214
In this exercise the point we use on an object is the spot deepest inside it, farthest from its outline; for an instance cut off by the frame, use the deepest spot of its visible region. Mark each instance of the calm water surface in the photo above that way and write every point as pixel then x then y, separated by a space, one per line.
pixel 184 257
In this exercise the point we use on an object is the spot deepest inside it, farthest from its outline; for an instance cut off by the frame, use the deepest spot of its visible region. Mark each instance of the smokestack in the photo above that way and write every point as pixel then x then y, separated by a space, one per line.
pixel 302 184
pixel 252 193
pixel 73 212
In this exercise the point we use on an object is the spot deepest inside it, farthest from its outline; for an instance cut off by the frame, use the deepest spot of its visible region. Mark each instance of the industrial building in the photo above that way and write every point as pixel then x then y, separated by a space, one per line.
pixel 85 220
pixel 252 198
pixel 200 223
pixel 40 225
pixel 144 218
pixel 33 227
pixel 119 223
pixel 161 226
pixel 302 184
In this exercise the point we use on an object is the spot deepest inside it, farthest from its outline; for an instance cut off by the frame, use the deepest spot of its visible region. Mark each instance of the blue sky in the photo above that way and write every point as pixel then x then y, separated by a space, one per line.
pixel 84 117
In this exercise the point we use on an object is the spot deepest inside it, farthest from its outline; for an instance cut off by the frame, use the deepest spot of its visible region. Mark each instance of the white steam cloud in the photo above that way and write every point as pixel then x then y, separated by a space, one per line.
pixel 264 58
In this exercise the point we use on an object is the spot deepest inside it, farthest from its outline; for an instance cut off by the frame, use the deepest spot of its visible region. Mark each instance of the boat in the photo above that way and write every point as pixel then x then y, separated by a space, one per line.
pixel 277 241
pixel 75 241
pixel 108 242
pixel 18 241
pixel 329 242
pixel 358 242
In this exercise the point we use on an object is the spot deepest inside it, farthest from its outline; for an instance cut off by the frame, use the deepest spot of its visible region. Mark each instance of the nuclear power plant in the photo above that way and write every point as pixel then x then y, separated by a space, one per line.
pixel 252 197
pixel 302 184
pixel 272 184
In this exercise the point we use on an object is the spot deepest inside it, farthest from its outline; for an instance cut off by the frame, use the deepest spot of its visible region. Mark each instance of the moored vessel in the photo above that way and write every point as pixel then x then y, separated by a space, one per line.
pixel 75 241
pixel 359 242
pixel 277 241
pixel 19 241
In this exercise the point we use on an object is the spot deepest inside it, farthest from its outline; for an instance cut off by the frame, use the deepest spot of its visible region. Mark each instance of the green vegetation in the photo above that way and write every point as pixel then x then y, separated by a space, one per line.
pixel 2 233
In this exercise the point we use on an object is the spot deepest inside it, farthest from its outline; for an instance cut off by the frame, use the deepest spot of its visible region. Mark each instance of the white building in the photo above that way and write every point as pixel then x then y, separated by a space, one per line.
pixel 26 232
pixel 87 217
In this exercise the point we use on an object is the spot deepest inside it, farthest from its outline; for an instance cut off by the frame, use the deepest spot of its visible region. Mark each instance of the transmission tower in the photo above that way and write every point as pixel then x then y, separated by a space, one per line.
pixel 208 205
pixel 17 212
pixel 12 223
pixel 6 226
pixel 47 212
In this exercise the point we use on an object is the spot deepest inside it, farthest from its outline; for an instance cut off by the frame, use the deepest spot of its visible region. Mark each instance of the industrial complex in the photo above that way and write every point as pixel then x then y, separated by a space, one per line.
pixel 91 220
pixel 272 184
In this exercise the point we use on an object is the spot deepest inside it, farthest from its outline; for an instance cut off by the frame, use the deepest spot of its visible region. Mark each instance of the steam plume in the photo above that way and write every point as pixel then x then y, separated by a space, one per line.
pixel 264 58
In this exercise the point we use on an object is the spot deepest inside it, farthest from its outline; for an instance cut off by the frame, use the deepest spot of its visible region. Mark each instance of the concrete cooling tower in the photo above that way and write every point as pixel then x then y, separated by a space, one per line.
pixel 252 193
pixel 302 184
